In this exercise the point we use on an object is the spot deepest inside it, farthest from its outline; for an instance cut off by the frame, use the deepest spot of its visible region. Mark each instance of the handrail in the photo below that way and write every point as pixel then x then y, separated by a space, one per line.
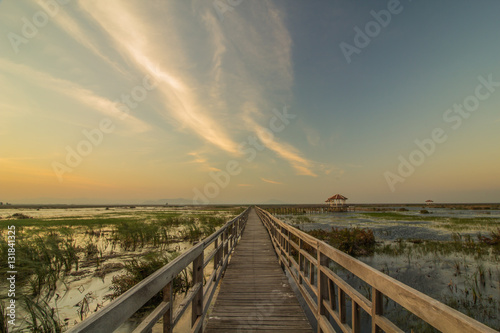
pixel 199 297
pixel 313 274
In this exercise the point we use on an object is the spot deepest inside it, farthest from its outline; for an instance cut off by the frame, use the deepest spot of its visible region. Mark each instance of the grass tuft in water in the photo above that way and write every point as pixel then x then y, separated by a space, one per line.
pixel 353 241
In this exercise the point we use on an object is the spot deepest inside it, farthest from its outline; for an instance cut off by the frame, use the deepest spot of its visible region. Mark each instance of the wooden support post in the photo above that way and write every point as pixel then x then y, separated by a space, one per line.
pixel 197 303
pixel 342 308
pixel 301 266
pixel 331 291
pixel 167 317
pixel 225 245
pixel 311 273
pixel 289 251
pixel 322 260
pixel 356 324
pixel 235 232
pixel 377 308
pixel 216 257
pixel 232 237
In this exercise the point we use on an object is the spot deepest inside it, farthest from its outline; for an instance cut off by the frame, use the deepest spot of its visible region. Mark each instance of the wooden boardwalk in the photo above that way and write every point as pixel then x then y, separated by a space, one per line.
pixel 255 294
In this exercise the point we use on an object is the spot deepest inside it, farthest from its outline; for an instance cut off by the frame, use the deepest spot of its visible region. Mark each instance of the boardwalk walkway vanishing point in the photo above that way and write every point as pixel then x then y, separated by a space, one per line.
pixel 255 294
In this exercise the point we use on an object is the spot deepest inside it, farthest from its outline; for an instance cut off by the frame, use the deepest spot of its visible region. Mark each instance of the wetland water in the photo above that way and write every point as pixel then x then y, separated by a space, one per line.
pixel 439 254
pixel 436 253
pixel 72 261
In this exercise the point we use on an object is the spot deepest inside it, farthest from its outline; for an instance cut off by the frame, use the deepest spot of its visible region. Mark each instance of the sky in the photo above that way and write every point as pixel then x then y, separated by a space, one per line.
pixel 239 101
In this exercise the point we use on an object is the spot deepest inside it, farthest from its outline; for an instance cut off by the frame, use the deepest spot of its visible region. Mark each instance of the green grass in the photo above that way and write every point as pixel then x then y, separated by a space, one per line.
pixel 437 248
pixel 353 241
pixel 48 250
pixel 69 222
pixel 302 219
pixel 139 269
pixel 41 318
pixel 454 223
pixel 42 260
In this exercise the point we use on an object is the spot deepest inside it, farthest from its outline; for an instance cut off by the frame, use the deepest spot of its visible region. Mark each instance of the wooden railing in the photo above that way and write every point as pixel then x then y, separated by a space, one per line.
pixel 198 297
pixel 325 292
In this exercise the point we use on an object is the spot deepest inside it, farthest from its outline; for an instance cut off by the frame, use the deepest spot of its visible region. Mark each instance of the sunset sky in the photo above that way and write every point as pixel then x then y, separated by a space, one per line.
pixel 243 101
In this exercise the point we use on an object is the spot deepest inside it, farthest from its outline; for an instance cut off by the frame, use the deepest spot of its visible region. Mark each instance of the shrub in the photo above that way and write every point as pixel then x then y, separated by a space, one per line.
pixel 494 238
pixel 353 241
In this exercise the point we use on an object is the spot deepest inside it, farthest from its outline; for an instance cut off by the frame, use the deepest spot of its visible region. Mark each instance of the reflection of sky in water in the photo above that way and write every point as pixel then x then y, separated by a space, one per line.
pixel 446 212
pixel 387 229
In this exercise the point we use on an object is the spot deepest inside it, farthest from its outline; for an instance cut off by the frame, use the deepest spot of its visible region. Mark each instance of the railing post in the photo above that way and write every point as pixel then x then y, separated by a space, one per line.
pixel 377 308
pixel 356 322
pixel 167 317
pixel 231 238
pixel 234 230
pixel 216 257
pixel 342 307
pixel 301 269
pixel 289 251
pixel 331 296
pixel 225 243
pixel 322 260
pixel 197 303
pixel 311 273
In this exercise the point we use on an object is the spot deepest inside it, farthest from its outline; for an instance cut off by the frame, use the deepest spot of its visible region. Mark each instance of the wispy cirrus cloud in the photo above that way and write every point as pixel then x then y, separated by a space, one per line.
pixel 271 181
pixel 197 158
pixel 286 151
pixel 137 39
pixel 252 54
pixel 267 49
pixel 74 28
pixel 74 91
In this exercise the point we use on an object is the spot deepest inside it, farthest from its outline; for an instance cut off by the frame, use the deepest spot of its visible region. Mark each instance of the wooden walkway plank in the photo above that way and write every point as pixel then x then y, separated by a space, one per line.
pixel 255 294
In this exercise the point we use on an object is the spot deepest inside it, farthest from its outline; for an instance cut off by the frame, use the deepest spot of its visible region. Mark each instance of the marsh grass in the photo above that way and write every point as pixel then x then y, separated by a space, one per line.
pixel 139 269
pixel 302 219
pixel 493 239
pixel 135 234
pixel 42 260
pixel 41 317
pixel 210 224
pixel 3 318
pixel 479 248
pixel 395 216
pixel 468 260
pixel 353 241
pixel 50 249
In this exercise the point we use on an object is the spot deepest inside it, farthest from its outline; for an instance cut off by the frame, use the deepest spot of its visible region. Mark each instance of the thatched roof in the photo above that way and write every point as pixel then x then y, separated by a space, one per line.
pixel 336 197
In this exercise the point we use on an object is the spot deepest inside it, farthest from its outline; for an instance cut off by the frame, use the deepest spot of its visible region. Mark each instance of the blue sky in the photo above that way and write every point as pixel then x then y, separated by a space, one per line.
pixel 248 101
